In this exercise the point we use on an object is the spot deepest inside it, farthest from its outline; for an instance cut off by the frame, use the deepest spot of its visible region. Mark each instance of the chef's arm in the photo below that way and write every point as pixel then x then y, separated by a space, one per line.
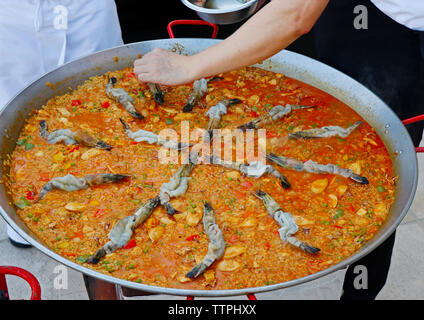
pixel 269 31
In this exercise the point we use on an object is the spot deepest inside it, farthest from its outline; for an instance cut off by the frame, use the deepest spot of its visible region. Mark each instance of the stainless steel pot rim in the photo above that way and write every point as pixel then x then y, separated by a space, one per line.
pixel 216 293
pixel 239 7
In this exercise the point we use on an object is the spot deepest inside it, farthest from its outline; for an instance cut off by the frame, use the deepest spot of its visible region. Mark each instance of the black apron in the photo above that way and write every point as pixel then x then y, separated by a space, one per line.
pixel 388 58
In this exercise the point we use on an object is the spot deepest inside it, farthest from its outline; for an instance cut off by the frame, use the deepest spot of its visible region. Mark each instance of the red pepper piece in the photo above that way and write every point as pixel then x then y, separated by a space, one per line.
pixel 130 244
pixel 75 103
pixel 69 254
pixel 106 104
pixel 74 148
pixel 99 213
pixel 29 195
pixel 193 237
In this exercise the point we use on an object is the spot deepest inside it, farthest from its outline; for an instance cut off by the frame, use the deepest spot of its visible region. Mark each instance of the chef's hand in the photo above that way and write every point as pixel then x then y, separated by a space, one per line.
pixel 164 67
pixel 258 39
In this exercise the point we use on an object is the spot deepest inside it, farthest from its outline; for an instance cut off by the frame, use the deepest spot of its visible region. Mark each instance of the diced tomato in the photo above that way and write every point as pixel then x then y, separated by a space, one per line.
pixel 131 244
pixel 29 195
pixel 105 104
pixel 267 245
pixel 246 184
pixel 271 134
pixel 45 177
pixel 254 114
pixel 134 142
pixel 131 75
pixel 240 194
pixel 79 234
pixel 284 148
pixel 193 237
pixel 338 227
pixel 75 103
pixel 246 214
pixel 233 239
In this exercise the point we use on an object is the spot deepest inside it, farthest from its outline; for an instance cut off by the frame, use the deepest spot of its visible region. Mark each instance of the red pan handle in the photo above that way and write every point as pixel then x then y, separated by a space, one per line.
pixel 251 296
pixel 27 276
pixel 412 120
pixel 191 22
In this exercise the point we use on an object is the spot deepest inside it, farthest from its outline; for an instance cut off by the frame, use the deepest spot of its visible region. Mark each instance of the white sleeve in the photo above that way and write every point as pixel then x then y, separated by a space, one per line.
pixel 410 13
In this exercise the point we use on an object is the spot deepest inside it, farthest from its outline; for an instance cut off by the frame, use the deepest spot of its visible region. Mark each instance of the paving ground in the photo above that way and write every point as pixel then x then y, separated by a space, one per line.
pixel 406 276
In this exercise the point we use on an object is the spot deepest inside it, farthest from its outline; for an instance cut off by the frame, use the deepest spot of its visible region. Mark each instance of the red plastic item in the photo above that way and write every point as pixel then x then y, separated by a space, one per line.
pixel 27 276
pixel 412 120
pixel 192 22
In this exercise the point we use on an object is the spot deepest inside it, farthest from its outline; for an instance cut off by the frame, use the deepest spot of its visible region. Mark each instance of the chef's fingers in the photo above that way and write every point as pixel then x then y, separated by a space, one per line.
pixel 145 77
pixel 141 69
pixel 164 67
pixel 141 62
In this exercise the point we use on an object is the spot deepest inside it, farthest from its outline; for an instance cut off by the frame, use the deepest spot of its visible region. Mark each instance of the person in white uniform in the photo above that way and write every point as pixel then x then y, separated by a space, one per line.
pixel 37 36
pixel 385 52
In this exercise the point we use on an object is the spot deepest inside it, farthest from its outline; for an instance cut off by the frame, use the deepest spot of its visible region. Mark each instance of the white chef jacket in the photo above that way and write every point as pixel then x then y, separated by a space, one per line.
pixel 407 12
pixel 37 36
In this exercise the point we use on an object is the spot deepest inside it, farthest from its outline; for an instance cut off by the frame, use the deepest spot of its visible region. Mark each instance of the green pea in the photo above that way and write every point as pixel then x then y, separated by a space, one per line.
pixel 381 189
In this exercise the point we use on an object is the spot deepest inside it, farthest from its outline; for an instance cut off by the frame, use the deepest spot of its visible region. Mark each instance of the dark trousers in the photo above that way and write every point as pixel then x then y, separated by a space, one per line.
pixel 388 58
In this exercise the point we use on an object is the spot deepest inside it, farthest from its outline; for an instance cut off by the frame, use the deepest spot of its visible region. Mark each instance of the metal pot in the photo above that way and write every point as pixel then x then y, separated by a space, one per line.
pixel 224 11
pixel 359 98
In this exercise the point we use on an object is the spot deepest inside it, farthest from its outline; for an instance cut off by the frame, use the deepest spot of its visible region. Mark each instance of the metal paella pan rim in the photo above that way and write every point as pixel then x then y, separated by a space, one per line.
pixel 312 72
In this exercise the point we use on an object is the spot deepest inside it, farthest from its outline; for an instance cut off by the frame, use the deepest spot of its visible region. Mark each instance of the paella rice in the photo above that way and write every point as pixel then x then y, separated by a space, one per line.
pixel 333 213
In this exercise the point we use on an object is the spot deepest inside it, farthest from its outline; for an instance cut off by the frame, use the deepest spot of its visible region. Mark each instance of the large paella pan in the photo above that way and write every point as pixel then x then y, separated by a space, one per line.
pixel 111 68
